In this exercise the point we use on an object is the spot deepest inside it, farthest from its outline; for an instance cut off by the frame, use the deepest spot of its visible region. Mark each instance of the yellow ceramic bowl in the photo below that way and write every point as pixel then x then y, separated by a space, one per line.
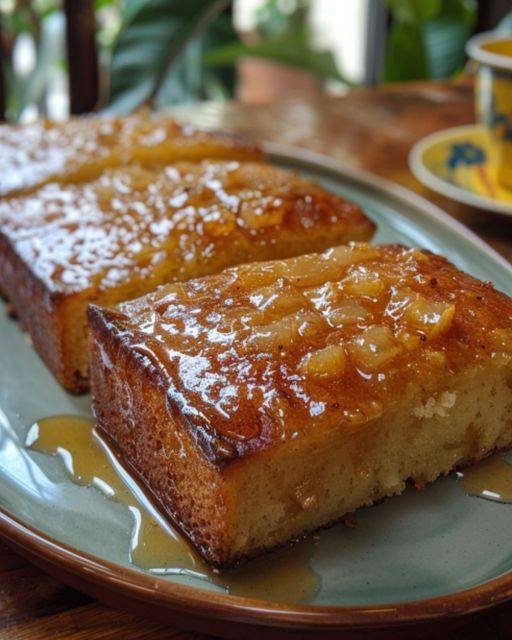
pixel 493 92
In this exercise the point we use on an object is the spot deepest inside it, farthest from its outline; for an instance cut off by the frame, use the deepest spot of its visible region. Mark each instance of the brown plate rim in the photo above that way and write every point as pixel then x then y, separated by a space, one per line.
pixel 227 608
pixel 173 596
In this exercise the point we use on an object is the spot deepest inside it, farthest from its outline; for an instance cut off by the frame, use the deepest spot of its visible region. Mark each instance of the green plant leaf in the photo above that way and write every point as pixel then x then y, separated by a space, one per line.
pixel 275 20
pixel 444 40
pixel 414 11
pixel 131 8
pixel 14 104
pixel 405 54
pixel 155 34
pixel 218 81
pixel 101 4
pixel 427 41
pixel 184 81
pixel 188 80
pixel 462 10
pixel 290 50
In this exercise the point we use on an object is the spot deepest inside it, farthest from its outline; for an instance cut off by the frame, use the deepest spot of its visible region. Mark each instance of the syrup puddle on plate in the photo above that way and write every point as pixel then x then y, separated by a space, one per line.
pixel 284 575
pixel 490 479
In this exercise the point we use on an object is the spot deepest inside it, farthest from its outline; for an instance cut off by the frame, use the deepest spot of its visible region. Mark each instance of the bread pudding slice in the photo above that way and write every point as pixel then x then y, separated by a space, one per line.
pixel 271 399
pixel 132 229
pixel 80 148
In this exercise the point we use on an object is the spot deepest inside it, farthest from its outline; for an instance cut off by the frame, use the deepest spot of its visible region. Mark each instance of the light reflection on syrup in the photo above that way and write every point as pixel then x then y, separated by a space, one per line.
pixel 490 479
pixel 283 576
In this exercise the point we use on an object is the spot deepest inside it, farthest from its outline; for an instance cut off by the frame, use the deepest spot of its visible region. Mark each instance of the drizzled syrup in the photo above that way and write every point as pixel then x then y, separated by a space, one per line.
pixel 490 479
pixel 284 575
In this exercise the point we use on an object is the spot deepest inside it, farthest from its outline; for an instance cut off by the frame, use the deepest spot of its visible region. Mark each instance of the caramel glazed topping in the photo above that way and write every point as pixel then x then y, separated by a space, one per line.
pixel 189 218
pixel 80 148
pixel 262 352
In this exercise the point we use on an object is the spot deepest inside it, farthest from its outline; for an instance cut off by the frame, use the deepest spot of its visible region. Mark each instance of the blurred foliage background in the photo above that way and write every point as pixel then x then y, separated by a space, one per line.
pixel 162 52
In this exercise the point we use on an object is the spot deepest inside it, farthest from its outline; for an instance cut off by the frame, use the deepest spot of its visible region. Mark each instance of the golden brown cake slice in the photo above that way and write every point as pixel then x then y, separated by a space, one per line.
pixel 273 398
pixel 80 148
pixel 132 229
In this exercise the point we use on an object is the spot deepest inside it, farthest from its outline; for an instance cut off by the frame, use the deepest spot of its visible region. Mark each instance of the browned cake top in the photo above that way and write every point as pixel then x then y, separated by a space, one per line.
pixel 132 222
pixel 263 353
pixel 31 154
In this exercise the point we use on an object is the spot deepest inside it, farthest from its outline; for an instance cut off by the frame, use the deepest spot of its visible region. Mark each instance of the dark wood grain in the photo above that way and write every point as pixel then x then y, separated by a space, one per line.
pixel 2 78
pixel 372 129
pixel 82 55
pixel 27 595
pixel 93 621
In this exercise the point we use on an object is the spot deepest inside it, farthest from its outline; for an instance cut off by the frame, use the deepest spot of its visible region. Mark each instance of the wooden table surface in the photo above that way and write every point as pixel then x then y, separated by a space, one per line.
pixel 372 129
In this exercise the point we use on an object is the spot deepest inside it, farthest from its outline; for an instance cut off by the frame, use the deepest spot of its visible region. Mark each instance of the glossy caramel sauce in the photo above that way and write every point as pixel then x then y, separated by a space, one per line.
pixel 266 352
pixel 490 479
pixel 80 148
pixel 284 575
pixel 136 228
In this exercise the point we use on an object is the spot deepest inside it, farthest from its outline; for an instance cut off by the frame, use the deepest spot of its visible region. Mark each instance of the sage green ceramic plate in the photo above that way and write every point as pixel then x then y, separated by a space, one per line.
pixel 423 555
